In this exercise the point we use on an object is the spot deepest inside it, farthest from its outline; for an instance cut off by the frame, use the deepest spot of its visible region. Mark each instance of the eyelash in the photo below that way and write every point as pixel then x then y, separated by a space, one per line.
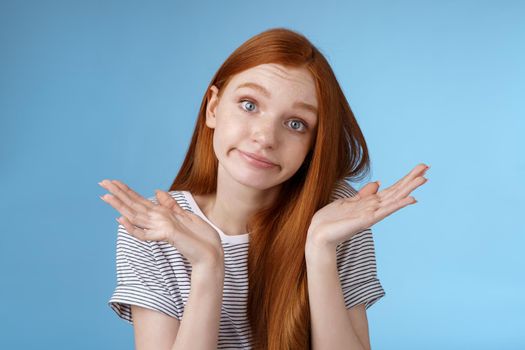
pixel 305 125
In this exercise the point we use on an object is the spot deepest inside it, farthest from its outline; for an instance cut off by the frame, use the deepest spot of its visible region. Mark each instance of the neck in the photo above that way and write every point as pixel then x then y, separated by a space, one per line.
pixel 233 203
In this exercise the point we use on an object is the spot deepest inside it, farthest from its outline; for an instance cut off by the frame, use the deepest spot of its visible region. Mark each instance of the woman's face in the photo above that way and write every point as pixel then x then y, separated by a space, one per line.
pixel 269 111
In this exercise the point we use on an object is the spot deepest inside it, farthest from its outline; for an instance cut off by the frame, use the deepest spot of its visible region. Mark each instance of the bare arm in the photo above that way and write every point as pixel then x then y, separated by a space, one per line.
pixel 199 328
pixel 331 325
pixel 200 243
pixel 359 321
pixel 338 221
pixel 153 329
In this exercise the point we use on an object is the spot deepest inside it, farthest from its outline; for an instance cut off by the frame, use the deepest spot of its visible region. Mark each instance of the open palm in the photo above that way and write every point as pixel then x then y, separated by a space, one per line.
pixel 191 235
pixel 344 217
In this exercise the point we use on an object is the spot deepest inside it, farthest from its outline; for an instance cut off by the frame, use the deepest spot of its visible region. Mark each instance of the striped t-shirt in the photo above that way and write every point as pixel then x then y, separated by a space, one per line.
pixel 156 276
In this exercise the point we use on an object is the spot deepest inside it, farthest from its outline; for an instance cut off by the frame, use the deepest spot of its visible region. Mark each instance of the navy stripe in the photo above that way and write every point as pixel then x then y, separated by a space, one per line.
pixel 155 275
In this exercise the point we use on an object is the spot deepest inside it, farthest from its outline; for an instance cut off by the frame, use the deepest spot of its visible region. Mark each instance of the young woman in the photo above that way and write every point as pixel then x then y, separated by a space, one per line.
pixel 259 242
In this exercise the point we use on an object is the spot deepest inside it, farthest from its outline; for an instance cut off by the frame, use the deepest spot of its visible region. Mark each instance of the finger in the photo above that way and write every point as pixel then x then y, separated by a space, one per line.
pixel 392 191
pixel 416 171
pixel 411 186
pixel 140 233
pixel 125 198
pixel 136 232
pixel 404 191
pixel 117 192
pixel 373 202
pixel 166 200
pixel 385 211
pixel 131 229
pixel 132 194
pixel 350 205
pixel 138 219
pixel 368 189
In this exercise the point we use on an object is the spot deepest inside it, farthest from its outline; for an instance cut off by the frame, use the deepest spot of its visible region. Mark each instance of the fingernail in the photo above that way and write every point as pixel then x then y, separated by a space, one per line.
pixel 378 183
pixel 118 220
pixel 102 197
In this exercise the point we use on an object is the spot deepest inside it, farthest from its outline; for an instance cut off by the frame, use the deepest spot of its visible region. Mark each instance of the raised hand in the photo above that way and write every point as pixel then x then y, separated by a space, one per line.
pixel 344 217
pixel 192 236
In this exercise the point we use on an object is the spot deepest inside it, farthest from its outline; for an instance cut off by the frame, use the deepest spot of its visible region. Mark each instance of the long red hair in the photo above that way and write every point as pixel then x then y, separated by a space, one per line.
pixel 278 308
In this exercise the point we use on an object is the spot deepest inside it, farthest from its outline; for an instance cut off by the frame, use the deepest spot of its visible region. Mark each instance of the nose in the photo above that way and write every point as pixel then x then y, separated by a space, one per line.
pixel 264 132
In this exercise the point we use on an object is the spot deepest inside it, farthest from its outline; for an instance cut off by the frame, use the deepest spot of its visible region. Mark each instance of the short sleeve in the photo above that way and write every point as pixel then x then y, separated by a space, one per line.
pixel 356 262
pixel 140 280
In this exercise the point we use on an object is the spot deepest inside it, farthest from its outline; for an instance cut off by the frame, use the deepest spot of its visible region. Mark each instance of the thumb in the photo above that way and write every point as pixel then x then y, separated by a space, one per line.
pixel 167 201
pixel 369 188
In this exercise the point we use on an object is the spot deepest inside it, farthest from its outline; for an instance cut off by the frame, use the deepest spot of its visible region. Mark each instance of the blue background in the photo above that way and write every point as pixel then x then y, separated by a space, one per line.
pixel 110 89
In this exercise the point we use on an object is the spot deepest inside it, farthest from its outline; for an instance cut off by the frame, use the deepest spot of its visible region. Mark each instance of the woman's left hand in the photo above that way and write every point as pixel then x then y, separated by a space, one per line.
pixel 341 219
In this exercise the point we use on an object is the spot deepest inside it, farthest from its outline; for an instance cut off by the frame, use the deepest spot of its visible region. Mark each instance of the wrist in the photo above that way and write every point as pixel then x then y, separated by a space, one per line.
pixel 317 240
pixel 212 264
pixel 318 248
pixel 206 273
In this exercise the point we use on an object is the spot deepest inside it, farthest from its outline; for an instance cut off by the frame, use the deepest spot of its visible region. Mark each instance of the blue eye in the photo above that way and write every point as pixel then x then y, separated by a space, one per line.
pixel 298 123
pixel 249 103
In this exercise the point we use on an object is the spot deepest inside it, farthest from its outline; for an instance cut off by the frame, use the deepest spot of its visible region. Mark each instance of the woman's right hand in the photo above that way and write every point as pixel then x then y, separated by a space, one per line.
pixel 193 237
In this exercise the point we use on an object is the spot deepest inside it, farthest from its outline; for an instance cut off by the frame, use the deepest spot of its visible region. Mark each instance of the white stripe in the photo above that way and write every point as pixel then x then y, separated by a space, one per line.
pixel 156 276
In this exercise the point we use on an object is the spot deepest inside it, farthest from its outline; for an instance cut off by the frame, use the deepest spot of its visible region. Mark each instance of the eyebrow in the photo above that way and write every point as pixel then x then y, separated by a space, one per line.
pixel 267 94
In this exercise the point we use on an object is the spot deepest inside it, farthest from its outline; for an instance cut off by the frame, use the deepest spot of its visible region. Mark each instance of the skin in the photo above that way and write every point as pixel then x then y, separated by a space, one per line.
pixel 247 120
pixel 341 219
pixel 333 326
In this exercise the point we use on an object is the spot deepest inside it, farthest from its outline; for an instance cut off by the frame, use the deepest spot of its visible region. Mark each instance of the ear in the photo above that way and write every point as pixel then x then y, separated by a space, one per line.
pixel 211 107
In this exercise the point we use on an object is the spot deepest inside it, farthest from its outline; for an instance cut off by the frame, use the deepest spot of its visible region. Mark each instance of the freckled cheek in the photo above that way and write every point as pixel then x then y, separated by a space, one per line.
pixel 227 136
pixel 294 164
pixel 293 161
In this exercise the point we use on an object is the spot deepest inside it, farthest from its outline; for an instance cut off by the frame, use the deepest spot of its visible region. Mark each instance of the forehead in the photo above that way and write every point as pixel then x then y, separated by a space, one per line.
pixel 279 80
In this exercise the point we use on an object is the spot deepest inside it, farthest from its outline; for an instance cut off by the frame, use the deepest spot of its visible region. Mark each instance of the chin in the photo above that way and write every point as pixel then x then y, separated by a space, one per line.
pixel 257 182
